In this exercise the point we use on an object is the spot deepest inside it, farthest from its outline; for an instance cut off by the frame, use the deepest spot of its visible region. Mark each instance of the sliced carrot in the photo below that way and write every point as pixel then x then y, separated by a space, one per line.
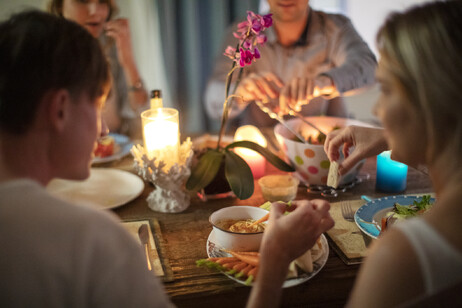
pixel 250 259
pixel 253 272
pixel 240 266
pixel 247 253
pixel 226 260
pixel 244 271
pixel 230 265
pixel 259 221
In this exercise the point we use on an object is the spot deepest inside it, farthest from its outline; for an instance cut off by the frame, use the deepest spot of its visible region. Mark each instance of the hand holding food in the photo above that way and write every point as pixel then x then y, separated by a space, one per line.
pixel 367 141
pixel 289 236
pixel 262 87
pixel 299 92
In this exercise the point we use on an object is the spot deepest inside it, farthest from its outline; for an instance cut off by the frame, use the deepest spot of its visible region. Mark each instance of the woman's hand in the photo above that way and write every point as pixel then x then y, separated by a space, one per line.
pixel 367 141
pixel 119 30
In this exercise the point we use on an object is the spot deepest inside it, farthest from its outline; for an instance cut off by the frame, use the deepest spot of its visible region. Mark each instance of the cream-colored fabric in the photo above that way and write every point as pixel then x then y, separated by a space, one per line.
pixel 440 262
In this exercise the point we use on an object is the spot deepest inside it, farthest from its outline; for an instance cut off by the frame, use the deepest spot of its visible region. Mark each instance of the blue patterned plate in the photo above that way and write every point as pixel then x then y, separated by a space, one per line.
pixel 369 216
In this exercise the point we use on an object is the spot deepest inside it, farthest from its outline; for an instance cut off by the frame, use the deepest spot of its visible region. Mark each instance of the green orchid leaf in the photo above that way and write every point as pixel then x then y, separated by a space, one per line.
pixel 270 157
pixel 205 171
pixel 238 175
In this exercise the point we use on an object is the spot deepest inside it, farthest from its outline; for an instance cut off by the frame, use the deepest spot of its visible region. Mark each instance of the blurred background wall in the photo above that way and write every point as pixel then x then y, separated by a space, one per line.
pixel 176 42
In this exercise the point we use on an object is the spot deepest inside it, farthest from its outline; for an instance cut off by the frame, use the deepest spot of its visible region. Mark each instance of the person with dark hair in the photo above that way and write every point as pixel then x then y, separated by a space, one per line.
pixel 128 96
pixel 54 79
pixel 307 51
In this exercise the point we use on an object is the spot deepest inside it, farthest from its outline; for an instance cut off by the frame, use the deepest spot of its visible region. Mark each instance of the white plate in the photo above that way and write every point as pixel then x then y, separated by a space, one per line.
pixel 214 251
pixel 122 146
pixel 105 188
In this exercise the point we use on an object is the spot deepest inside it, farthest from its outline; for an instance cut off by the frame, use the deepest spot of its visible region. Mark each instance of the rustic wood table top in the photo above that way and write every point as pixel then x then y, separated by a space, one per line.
pixel 185 235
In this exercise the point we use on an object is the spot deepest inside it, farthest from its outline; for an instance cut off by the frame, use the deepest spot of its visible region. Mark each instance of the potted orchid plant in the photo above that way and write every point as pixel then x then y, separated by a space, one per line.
pixel 238 174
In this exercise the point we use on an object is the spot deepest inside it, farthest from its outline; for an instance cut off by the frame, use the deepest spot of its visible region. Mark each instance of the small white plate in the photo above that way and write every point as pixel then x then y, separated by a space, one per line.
pixel 214 251
pixel 106 188
pixel 122 146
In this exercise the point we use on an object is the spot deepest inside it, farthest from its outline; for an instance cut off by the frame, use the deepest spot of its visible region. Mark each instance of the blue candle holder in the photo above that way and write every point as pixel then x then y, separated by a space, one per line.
pixel 391 175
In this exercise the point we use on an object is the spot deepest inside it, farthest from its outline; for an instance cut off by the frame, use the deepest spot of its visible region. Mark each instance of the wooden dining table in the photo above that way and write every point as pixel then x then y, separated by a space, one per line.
pixel 184 236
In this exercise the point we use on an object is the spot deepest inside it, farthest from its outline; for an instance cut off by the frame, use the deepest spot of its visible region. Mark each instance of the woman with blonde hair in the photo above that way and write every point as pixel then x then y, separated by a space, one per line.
pixel 420 77
pixel 128 95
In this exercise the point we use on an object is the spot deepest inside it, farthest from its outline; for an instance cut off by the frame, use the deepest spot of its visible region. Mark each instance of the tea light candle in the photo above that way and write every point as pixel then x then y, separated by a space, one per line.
pixel 256 162
pixel 391 175
pixel 161 135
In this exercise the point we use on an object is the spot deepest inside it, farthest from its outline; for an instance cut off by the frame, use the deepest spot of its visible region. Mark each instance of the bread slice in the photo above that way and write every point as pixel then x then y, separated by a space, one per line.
pixel 333 178
pixel 305 261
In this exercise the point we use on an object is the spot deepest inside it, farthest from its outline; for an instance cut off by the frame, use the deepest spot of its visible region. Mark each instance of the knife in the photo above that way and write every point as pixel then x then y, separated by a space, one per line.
pixel 143 233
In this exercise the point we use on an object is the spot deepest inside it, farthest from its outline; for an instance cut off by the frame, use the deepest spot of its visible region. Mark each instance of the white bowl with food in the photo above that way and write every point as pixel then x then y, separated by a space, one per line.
pixel 235 228
pixel 309 159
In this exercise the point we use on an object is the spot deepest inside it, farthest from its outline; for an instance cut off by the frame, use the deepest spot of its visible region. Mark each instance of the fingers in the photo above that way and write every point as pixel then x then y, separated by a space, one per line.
pixel 277 209
pixel 335 140
pixel 260 87
pixel 295 94
pixel 349 162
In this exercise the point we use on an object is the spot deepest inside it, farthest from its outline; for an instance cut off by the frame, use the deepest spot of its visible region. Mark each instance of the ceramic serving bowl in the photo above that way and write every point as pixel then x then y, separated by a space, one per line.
pixel 310 160
pixel 233 240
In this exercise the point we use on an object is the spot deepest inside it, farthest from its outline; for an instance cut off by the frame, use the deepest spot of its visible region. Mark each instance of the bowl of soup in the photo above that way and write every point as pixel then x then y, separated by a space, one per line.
pixel 309 159
pixel 235 228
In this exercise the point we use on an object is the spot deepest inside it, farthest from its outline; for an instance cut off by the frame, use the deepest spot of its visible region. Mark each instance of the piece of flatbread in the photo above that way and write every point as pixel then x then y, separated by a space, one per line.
pixel 305 261
pixel 333 178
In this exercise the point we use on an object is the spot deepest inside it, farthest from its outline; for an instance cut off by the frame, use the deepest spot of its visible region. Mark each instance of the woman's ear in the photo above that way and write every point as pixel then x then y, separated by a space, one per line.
pixel 59 103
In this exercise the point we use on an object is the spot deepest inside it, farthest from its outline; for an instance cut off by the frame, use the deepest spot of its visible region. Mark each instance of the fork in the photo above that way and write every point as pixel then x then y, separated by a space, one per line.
pixel 347 211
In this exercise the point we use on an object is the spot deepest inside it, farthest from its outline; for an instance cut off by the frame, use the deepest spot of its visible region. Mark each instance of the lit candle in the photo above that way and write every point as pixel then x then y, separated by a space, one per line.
pixel 161 135
pixel 255 161
pixel 391 175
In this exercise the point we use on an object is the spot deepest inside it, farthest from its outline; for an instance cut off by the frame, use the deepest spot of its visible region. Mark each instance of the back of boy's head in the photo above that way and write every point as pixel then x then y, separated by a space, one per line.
pixel 40 52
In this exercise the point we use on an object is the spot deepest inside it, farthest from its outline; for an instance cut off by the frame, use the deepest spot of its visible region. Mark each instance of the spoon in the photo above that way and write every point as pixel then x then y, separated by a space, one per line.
pixel 275 116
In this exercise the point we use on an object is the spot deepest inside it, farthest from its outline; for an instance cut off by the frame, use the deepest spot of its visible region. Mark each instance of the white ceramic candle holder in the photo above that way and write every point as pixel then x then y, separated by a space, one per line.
pixel 170 194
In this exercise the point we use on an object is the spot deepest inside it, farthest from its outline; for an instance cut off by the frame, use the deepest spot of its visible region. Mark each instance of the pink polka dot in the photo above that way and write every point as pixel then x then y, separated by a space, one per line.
pixel 313 170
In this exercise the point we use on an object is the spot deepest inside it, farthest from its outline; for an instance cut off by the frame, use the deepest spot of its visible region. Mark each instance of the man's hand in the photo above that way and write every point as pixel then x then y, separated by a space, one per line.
pixel 300 91
pixel 262 87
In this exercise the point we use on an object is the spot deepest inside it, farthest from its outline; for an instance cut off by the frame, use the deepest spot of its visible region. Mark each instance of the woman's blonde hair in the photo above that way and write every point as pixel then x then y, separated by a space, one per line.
pixel 56 7
pixel 422 49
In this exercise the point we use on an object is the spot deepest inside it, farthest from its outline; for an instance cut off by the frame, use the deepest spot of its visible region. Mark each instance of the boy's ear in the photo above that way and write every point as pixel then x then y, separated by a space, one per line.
pixel 59 102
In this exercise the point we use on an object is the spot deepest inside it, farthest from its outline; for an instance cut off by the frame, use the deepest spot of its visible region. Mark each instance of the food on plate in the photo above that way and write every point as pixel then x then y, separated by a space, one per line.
pixel 105 146
pixel 241 226
pixel 242 265
pixel 305 261
pixel 400 212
